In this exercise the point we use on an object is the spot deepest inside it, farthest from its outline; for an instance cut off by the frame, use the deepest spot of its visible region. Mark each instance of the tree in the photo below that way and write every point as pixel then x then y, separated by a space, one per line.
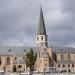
pixel 30 59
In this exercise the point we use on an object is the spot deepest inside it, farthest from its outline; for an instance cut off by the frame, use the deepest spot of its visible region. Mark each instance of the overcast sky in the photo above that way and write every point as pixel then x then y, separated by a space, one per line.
pixel 19 21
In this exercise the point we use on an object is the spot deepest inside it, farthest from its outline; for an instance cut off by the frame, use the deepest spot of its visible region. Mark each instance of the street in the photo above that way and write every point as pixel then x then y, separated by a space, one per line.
pixel 40 74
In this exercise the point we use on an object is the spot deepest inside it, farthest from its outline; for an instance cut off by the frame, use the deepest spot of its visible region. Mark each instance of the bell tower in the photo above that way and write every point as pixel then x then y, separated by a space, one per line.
pixel 41 37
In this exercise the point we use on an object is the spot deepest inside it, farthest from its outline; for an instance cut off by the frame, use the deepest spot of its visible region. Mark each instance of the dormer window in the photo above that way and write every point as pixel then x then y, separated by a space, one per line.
pixel 24 50
pixel 9 50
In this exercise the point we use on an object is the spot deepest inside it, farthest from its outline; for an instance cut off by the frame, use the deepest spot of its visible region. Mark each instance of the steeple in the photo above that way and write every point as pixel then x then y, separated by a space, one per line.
pixel 41 37
pixel 41 27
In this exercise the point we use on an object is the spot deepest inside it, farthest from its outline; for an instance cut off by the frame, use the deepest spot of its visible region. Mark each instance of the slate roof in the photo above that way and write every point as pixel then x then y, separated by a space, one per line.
pixel 14 50
pixel 41 27
pixel 65 62
pixel 19 50
pixel 63 50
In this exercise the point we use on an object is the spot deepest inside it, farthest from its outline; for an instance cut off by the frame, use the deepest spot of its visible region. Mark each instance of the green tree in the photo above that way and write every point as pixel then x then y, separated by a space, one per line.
pixel 30 59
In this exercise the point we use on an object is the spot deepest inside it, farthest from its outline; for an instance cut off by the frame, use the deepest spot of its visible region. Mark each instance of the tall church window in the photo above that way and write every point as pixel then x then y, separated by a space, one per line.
pixel 45 38
pixel 0 61
pixel 8 61
pixel 46 44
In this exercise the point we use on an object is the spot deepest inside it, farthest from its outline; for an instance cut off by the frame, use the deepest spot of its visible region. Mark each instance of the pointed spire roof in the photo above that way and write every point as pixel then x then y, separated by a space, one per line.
pixel 41 27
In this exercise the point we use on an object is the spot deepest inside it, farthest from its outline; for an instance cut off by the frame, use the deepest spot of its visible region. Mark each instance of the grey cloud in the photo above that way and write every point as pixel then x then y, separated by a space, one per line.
pixel 68 6
pixel 19 21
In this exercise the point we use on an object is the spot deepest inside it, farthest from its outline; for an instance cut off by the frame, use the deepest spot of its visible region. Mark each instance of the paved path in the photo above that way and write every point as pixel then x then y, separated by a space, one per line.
pixel 43 74
pixel 56 74
pixel 5 74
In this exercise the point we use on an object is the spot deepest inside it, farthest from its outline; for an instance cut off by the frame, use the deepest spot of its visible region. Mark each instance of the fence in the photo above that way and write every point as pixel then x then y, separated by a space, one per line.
pixel 53 71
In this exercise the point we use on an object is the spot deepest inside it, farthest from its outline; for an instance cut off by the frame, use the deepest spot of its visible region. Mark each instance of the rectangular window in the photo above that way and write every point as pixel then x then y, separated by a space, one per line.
pixel 42 38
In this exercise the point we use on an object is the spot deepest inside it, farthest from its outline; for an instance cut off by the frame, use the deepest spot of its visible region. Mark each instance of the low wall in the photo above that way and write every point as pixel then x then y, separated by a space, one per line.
pixel 56 74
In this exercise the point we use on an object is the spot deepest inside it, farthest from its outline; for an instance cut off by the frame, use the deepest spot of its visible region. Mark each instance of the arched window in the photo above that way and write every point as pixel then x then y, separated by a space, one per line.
pixel 62 57
pixel 68 65
pixel 55 57
pixel 45 38
pixel 42 38
pixel 8 61
pixel 69 56
pixel 20 66
pixel 58 65
pixel 72 65
pixel 63 65
pixel 0 61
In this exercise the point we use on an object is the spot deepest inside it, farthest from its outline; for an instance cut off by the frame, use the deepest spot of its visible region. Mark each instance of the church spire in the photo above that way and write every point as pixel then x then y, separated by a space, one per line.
pixel 41 27
pixel 41 37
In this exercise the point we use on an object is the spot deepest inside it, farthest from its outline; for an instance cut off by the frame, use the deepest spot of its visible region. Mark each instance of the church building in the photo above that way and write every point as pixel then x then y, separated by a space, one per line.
pixel 59 57
pixel 44 57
